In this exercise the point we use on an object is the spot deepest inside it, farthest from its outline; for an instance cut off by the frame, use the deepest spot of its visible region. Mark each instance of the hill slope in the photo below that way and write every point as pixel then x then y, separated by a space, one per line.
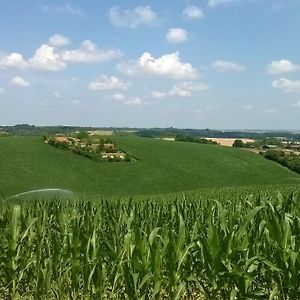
pixel 27 163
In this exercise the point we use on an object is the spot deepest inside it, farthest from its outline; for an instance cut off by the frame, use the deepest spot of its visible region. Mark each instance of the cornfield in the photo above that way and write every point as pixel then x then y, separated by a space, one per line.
pixel 234 246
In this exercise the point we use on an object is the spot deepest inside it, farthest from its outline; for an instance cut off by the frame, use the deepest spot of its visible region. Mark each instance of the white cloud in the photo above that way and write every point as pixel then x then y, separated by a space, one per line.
pixel 227 66
pixel 169 66
pixel 1 91
pixel 89 52
pixel 286 85
pixel 158 95
pixel 281 67
pixel 192 12
pixel 65 8
pixel 215 3
pixel 271 111
pixel 180 92
pixel 132 18
pixel 107 83
pixel 47 59
pixel 75 102
pixel 185 89
pixel 176 35
pixel 19 82
pixel 57 95
pixel 58 40
pixel 14 60
pixel 135 102
pixel 297 104
pixel 119 97
pixel 275 5
pixel 247 107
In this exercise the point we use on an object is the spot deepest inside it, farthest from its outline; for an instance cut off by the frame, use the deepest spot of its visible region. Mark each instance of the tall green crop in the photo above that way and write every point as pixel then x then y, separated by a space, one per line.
pixel 225 244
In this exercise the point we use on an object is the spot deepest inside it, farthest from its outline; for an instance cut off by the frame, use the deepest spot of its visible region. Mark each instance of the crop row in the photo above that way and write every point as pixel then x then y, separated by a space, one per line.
pixel 242 247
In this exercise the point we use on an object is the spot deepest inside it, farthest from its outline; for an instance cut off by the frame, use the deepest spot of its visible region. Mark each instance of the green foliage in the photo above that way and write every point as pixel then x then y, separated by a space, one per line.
pixel 242 245
pixel 210 133
pixel 191 139
pixel 238 144
pixel 82 135
pixel 83 145
pixel 291 160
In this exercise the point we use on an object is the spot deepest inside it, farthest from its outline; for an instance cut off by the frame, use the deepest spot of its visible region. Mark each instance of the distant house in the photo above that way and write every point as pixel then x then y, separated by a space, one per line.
pixel 269 146
pixel 62 139
pixel 108 145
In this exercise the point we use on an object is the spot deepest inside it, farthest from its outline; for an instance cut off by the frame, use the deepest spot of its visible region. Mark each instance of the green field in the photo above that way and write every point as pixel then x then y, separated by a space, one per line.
pixel 205 222
pixel 232 243
pixel 161 167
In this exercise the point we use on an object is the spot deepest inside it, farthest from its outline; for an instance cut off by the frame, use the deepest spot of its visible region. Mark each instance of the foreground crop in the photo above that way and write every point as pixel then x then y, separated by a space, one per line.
pixel 242 247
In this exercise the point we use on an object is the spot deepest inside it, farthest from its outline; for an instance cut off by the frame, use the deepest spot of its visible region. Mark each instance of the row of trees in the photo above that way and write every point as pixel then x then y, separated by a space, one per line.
pixel 191 139
pixel 291 161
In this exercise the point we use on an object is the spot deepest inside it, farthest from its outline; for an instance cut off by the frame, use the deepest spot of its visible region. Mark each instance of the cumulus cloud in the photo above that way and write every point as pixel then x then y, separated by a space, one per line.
pixel 215 3
pixel 185 89
pixel 46 58
pixel 227 66
pixel 65 8
pixel 135 102
pixel 89 52
pixel 105 83
pixel 129 101
pixel 158 95
pixel 271 111
pixel 176 35
pixel 275 5
pixel 132 18
pixel 14 60
pixel 58 40
pixel 57 95
pixel 247 107
pixel 286 85
pixel 192 12
pixel 119 97
pixel 169 66
pixel 19 82
pixel 180 92
pixel 297 104
pixel 281 67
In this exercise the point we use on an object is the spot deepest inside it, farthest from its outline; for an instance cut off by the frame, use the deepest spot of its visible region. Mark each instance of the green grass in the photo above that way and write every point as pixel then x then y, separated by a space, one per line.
pixel 27 163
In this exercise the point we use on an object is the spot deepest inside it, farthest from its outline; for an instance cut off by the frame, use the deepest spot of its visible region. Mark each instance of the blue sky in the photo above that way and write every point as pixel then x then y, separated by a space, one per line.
pixel 227 64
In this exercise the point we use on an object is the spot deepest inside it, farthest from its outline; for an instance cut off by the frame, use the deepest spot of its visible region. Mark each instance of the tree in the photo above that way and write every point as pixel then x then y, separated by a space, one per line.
pixel 238 144
pixel 82 135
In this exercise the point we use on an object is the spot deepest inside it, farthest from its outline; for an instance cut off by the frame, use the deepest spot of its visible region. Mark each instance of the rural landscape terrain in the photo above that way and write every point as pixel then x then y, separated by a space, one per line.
pixel 187 218
pixel 150 150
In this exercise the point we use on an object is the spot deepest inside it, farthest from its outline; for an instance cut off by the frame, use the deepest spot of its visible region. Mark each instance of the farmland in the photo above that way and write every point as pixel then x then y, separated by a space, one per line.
pixel 27 163
pixel 182 221
pixel 245 245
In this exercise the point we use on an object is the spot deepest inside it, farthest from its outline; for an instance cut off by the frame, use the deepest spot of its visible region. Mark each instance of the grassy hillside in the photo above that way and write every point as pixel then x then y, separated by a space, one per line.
pixel 27 163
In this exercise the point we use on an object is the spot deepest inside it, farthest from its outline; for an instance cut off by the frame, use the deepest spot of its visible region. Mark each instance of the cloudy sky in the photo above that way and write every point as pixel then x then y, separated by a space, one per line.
pixel 227 64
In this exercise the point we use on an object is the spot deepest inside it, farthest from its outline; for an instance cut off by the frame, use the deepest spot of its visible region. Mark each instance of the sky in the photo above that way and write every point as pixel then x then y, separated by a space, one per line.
pixel 219 64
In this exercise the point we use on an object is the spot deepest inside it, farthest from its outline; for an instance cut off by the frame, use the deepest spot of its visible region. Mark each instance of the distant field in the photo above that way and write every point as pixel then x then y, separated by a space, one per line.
pixel 229 142
pixel 161 167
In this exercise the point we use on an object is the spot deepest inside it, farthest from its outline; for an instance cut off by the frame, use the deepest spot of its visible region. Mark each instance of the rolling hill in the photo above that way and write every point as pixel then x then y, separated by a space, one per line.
pixel 161 167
